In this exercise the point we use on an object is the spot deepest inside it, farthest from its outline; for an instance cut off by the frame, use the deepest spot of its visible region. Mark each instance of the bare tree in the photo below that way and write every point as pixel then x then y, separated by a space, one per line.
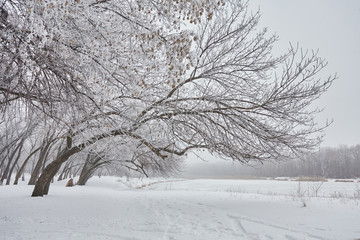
pixel 13 160
pixel 14 136
pixel 140 76
pixel 48 142
pixel 33 70
pixel 92 163
pixel 22 167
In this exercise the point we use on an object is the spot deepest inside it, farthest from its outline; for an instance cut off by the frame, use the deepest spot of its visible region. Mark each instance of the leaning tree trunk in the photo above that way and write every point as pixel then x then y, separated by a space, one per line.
pixel 4 148
pixel 43 183
pixel 84 175
pixel 7 169
pixel 92 162
pixel 41 160
pixel 63 172
pixel 21 170
pixel 14 164
pixel 2 163
pixel 52 175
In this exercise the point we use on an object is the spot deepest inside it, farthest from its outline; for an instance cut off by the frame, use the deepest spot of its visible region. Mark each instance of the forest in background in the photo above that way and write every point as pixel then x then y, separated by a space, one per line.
pixel 330 162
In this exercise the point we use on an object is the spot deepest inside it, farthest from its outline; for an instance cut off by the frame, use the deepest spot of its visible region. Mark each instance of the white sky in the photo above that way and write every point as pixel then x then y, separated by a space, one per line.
pixel 333 27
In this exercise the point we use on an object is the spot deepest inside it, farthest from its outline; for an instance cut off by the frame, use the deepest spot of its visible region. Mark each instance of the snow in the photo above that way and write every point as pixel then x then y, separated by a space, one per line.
pixel 134 209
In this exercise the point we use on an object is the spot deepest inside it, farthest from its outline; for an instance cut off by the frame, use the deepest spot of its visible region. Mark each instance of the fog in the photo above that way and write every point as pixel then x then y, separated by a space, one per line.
pixel 332 28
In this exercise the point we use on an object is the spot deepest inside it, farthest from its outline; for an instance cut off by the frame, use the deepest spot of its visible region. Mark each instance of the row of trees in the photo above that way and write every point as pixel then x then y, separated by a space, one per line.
pixel 28 150
pixel 137 84
pixel 331 162
pixel 336 162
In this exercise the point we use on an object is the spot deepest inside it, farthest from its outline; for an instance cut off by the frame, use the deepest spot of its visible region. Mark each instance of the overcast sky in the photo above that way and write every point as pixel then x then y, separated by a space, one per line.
pixel 333 27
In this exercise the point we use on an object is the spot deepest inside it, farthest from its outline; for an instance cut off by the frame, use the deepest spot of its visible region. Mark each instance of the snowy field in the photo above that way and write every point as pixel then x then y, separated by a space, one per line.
pixel 114 208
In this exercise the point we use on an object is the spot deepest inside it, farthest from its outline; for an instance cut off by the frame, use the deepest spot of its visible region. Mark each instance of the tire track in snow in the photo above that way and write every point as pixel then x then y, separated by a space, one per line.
pixel 161 216
pixel 237 225
pixel 289 233
pixel 182 218
pixel 57 234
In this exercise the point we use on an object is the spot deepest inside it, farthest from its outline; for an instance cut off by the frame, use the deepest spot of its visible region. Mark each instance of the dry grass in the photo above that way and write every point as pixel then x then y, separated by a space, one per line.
pixel 282 179
pixel 344 180
pixel 311 179
pixel 233 178
pixel 252 178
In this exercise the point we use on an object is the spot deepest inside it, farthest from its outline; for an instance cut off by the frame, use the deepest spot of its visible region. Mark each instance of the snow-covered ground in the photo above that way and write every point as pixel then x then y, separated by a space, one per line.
pixel 114 208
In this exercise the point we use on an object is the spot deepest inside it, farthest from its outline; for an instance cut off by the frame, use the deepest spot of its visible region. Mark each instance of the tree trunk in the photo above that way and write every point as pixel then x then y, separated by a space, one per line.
pixel 64 172
pixel 84 175
pixel 50 180
pixel 43 183
pixel 60 178
pixel 7 169
pixel 15 163
pixel 36 171
pixel 2 163
pixel 91 164
pixel 21 170
pixel 4 149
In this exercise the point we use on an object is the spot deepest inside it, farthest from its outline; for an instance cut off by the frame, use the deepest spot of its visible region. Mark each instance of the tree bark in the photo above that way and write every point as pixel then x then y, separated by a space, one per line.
pixel 42 157
pixel 52 175
pixel 43 183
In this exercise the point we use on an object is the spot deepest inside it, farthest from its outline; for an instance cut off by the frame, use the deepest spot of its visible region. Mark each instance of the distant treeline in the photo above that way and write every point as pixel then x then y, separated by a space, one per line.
pixel 330 162
pixel 338 162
